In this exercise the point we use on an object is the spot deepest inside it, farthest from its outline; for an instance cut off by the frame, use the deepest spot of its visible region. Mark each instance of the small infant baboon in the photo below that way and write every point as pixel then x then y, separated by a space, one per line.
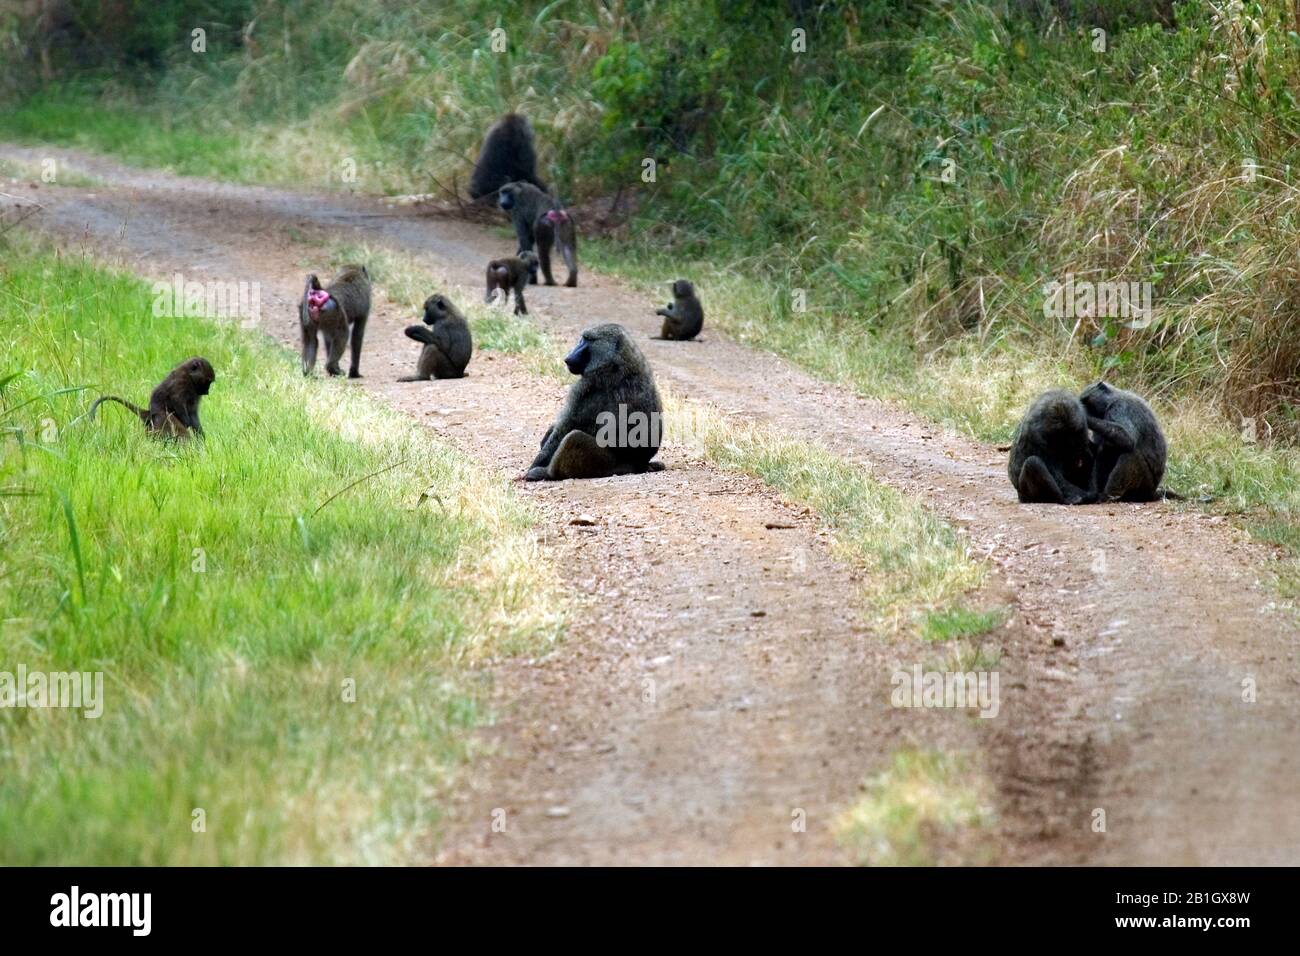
pixel 610 423
pixel 1051 456
pixel 539 219
pixel 507 156
pixel 511 274
pixel 342 305
pixel 1131 449
pixel 173 410
pixel 447 342
pixel 684 316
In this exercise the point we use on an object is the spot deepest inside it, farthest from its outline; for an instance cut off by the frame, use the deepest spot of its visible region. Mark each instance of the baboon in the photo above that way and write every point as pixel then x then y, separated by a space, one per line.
pixel 610 421
pixel 173 410
pixel 538 219
pixel 684 316
pixel 1051 455
pixel 511 274
pixel 556 226
pixel 447 342
pixel 331 311
pixel 1131 449
pixel 507 156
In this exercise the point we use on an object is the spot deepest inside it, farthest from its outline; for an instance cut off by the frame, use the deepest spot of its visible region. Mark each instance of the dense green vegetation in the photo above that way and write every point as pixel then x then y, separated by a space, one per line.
pixel 289 662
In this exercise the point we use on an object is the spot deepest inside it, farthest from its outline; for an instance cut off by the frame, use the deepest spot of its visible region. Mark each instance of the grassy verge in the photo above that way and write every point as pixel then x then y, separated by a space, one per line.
pixel 926 809
pixel 50 173
pixel 916 564
pixel 294 667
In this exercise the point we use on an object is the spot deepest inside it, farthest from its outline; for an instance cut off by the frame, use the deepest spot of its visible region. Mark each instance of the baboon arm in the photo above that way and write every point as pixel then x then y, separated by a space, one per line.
pixel 420 333
pixel 1115 433
pixel 554 435
pixel 1075 495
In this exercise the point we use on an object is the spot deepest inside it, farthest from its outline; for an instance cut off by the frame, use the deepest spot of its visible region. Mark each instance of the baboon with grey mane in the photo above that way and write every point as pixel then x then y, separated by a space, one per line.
pixel 616 385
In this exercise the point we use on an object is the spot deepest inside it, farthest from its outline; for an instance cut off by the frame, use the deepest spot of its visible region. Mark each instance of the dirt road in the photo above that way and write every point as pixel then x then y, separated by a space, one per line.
pixel 712 685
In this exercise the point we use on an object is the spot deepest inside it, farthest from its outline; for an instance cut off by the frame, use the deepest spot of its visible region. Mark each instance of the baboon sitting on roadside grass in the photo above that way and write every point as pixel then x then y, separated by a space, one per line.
pixel 173 410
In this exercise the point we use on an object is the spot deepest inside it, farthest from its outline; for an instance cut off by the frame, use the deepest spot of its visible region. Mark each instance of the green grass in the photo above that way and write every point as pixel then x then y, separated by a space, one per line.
pixel 959 623
pixel 178 141
pixel 926 809
pixel 228 602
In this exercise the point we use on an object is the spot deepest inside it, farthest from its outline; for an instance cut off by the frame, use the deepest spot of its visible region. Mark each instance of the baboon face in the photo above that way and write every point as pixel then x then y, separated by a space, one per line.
pixel 597 351
pixel 1097 397
pixel 201 375
pixel 436 307
pixel 507 196
pixel 683 289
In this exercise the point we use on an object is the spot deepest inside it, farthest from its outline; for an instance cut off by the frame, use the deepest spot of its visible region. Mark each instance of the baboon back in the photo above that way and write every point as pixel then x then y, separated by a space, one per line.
pixel 1131 448
pixel 507 155
pixel 1051 458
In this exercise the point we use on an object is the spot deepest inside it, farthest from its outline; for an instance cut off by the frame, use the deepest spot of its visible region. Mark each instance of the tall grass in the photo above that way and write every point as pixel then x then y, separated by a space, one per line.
pixel 291 663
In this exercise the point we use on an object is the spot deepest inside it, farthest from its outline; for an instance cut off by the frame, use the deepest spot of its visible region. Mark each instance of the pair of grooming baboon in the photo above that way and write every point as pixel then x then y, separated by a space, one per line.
pixel 1103 445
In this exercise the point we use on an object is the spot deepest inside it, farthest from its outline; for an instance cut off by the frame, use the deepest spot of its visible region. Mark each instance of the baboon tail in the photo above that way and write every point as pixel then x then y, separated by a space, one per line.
pixel 143 413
